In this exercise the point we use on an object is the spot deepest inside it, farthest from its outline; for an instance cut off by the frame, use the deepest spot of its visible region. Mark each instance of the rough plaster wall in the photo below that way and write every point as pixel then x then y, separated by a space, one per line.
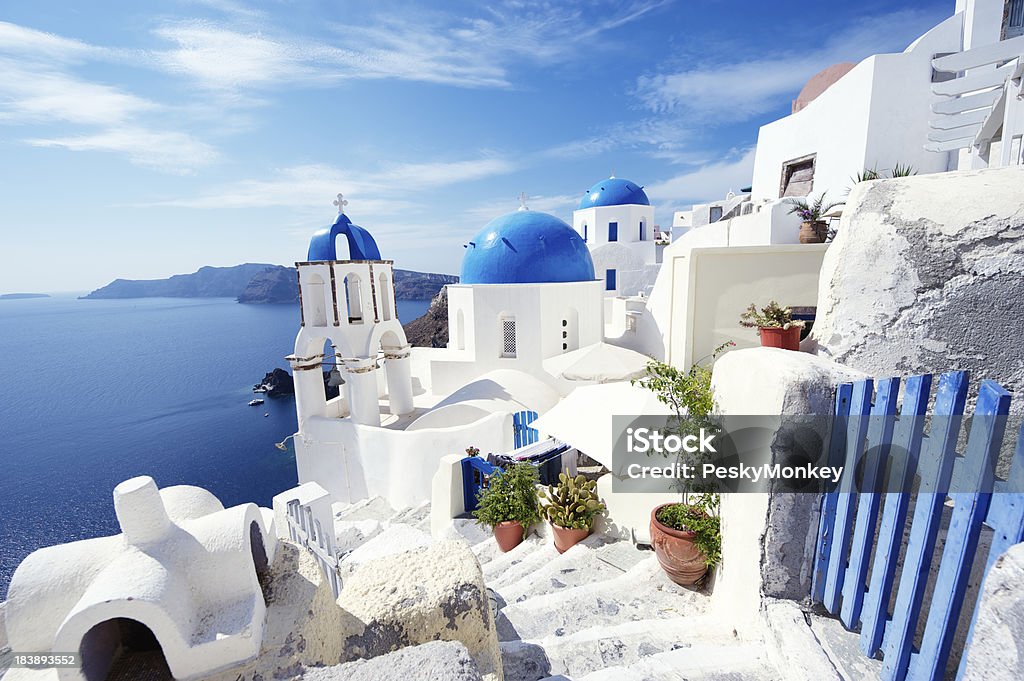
pixel 997 645
pixel 926 275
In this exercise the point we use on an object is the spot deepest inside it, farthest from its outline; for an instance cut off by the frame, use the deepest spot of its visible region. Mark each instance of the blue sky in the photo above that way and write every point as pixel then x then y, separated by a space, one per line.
pixel 140 140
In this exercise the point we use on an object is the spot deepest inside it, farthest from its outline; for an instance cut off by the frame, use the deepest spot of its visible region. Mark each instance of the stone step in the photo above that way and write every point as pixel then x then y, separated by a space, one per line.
pixel 413 515
pixel 593 560
pixel 618 645
pixel 373 508
pixel 697 662
pixel 642 593
pixel 500 562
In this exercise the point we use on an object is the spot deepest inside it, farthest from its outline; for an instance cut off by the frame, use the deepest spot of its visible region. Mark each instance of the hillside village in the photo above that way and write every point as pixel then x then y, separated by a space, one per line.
pixel 464 510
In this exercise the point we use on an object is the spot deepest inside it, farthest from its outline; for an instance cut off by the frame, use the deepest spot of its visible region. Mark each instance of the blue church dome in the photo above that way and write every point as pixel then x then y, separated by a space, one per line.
pixel 361 245
pixel 614 192
pixel 526 247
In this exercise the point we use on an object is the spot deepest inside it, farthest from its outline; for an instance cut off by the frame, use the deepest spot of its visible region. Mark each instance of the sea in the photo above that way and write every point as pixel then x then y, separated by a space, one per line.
pixel 93 392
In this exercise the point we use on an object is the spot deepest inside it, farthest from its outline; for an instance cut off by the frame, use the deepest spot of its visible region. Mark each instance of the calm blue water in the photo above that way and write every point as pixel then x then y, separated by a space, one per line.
pixel 97 391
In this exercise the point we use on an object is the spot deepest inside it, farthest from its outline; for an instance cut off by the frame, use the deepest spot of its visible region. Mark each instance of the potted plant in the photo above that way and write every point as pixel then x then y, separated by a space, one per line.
pixel 509 504
pixel 687 537
pixel 775 324
pixel 814 229
pixel 571 507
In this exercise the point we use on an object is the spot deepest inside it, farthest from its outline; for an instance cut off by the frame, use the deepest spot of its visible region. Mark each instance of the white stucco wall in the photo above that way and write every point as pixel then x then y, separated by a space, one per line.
pixel 538 309
pixel 874 116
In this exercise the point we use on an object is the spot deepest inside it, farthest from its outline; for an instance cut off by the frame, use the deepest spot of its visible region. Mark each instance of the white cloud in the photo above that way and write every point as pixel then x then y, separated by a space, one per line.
pixel 28 42
pixel 726 91
pixel 31 94
pixel 162 150
pixel 370 192
pixel 415 45
pixel 708 182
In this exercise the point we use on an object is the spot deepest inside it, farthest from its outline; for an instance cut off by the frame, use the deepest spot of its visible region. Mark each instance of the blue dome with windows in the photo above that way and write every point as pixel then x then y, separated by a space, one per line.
pixel 526 247
pixel 614 192
pixel 361 245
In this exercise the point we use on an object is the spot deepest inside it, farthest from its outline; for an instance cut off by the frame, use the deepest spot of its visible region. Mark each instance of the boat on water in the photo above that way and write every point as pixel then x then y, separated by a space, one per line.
pixel 255 403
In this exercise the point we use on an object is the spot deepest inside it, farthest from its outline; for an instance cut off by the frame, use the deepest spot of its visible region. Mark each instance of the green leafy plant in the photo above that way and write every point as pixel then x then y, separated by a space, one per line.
pixel 813 211
pixel 700 516
pixel 902 170
pixel 511 495
pixel 866 175
pixel 771 316
pixel 573 503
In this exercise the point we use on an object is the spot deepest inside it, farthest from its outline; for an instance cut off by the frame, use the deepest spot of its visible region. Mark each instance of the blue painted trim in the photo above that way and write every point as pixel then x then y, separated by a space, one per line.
pixel 969 510
pixel 879 440
pixel 898 641
pixel 856 431
pixel 907 440
pixel 826 523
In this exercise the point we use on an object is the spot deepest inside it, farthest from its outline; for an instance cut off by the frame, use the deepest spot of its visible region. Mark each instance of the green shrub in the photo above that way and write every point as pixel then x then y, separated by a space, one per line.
pixel 771 316
pixel 511 495
pixel 700 516
pixel 573 503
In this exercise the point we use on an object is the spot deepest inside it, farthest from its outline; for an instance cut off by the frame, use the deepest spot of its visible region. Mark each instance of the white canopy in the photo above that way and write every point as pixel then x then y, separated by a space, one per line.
pixel 600 363
pixel 584 418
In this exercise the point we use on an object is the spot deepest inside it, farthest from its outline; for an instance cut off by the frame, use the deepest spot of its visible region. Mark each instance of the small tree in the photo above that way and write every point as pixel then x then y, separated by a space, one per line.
pixel 511 495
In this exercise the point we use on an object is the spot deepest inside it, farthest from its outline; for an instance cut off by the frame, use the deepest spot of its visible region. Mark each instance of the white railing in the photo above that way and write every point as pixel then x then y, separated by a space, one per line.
pixel 305 529
pixel 982 104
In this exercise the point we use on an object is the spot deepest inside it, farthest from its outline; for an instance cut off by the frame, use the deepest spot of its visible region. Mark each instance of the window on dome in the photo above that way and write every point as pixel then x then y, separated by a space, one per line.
pixel 613 231
pixel 508 336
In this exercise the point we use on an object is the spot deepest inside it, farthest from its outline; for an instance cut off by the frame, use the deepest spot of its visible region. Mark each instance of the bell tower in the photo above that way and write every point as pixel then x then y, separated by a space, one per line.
pixel 348 306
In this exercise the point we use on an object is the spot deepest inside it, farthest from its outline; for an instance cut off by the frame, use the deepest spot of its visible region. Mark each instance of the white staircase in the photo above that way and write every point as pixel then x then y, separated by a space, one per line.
pixel 603 610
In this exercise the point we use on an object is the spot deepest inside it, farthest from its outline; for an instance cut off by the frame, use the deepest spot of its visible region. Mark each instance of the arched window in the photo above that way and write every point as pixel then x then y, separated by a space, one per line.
pixel 354 298
pixel 385 297
pixel 314 301
pixel 508 335
pixel 114 648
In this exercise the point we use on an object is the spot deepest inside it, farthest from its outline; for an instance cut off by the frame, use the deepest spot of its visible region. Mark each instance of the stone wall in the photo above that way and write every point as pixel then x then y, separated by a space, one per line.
pixel 997 645
pixel 925 275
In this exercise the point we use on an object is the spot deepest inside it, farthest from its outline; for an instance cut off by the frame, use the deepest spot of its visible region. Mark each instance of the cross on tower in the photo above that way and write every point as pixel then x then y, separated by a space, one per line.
pixel 522 201
pixel 340 202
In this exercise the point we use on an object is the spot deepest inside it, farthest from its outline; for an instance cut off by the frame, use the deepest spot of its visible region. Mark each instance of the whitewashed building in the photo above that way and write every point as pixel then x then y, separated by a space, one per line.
pixel 616 220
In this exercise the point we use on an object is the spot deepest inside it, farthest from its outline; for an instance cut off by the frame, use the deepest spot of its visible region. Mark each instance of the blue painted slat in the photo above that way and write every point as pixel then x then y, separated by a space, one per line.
pixel 877 449
pixel 837 449
pixel 906 448
pixel 1006 518
pixel 898 642
pixel 969 510
pixel 856 431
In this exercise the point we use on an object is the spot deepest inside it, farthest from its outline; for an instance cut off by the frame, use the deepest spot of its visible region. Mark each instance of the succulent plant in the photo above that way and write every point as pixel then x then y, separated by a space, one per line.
pixel 572 503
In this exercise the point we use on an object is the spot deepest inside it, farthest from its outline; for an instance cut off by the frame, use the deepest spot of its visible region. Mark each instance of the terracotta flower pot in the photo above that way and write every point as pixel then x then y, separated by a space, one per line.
pixel 566 538
pixel 777 337
pixel 677 554
pixel 813 232
pixel 508 534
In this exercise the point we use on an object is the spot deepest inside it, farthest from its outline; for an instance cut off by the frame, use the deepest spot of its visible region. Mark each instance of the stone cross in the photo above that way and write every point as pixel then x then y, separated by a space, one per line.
pixel 522 201
pixel 340 202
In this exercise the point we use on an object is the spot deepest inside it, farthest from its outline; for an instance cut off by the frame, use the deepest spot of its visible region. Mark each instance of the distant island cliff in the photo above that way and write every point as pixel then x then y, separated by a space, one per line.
pixel 254 283
pixel 22 296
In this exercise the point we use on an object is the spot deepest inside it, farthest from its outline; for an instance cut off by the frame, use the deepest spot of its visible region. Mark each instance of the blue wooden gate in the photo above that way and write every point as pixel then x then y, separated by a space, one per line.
pixel 522 433
pixel 476 474
pixel 842 580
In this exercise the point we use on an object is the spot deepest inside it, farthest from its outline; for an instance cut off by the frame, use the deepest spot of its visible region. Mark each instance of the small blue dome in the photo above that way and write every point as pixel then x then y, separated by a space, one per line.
pixel 614 192
pixel 526 247
pixel 361 245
